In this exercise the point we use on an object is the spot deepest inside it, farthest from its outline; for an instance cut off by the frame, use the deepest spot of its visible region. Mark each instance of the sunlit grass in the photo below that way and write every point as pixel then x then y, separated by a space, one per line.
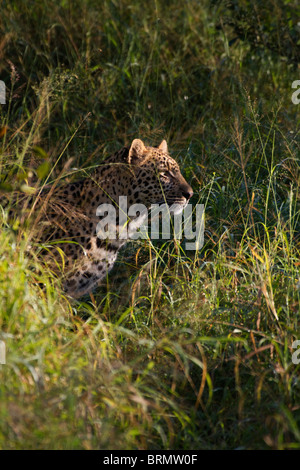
pixel 177 349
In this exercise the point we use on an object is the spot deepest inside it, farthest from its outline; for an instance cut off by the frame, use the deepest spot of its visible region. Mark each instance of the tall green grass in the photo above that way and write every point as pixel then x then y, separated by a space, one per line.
pixel 177 349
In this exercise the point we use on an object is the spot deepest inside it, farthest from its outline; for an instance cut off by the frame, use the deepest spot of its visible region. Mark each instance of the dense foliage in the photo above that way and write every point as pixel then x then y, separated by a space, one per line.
pixel 180 350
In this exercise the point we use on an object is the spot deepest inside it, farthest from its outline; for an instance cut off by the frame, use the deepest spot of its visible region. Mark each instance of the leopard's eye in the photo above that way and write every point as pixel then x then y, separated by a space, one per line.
pixel 167 174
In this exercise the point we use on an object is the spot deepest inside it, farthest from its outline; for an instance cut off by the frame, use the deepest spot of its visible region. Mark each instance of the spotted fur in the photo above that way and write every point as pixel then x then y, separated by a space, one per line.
pixel 146 175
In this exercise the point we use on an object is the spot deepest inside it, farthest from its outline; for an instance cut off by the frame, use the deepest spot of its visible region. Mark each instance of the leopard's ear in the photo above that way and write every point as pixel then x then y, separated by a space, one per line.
pixel 163 146
pixel 136 151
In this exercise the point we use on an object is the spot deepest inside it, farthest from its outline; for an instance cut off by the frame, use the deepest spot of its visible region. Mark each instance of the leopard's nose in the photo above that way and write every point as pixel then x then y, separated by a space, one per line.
pixel 187 193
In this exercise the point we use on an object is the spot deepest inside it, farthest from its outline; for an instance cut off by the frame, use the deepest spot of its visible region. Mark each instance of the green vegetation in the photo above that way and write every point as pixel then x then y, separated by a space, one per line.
pixel 179 350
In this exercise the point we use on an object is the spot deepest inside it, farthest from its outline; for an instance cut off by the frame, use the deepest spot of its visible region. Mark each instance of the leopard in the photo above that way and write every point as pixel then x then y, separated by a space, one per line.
pixel 69 223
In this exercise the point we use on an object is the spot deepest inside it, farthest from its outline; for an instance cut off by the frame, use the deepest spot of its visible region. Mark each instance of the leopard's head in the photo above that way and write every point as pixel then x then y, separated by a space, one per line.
pixel 157 177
